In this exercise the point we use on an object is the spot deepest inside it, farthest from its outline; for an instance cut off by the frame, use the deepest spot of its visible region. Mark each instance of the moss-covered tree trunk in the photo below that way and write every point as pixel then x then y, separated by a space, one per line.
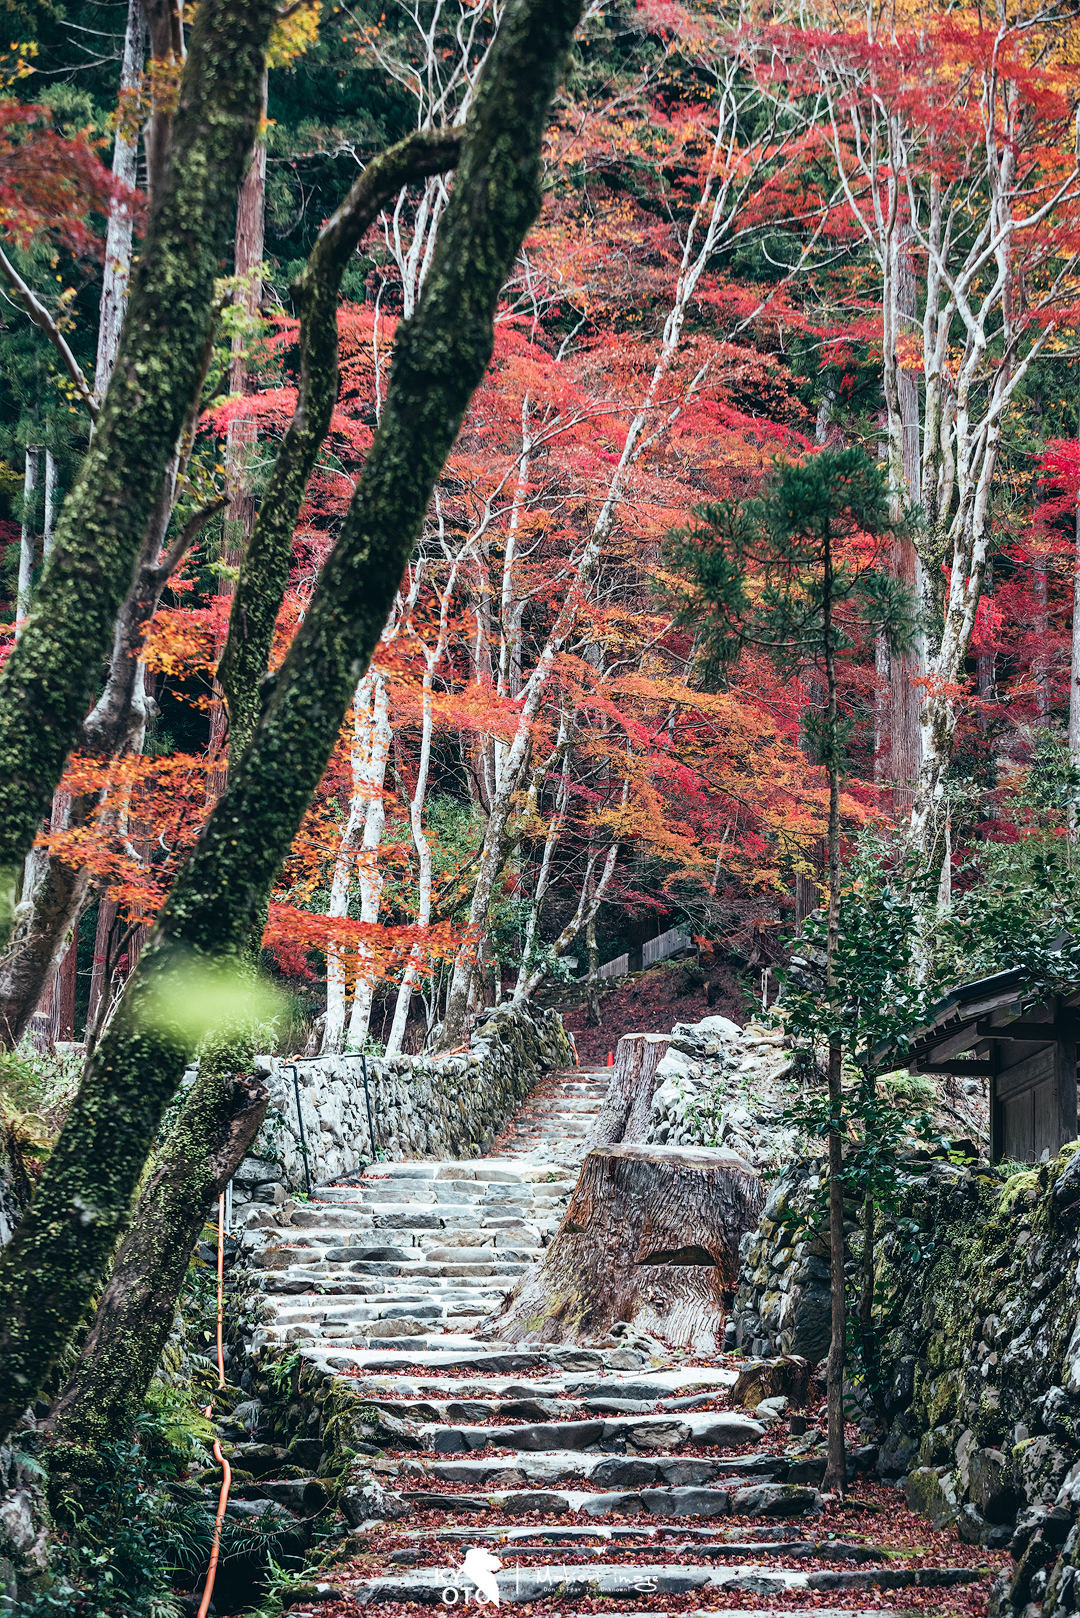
pixel 836 1464
pixel 135 1315
pixel 48 682
pixel 216 1126
pixel 50 1269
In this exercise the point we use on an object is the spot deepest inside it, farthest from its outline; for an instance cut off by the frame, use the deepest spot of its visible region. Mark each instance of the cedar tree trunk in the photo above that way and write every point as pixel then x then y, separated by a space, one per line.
pixel 836 1465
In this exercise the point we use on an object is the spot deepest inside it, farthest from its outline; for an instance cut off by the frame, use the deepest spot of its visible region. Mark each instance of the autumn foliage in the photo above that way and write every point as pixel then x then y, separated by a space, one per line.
pixel 700 298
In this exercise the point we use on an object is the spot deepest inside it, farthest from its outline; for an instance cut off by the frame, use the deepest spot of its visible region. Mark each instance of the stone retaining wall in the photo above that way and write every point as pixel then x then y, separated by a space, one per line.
pixel 783 1305
pixel 980 1352
pixel 422 1106
pixel 722 1085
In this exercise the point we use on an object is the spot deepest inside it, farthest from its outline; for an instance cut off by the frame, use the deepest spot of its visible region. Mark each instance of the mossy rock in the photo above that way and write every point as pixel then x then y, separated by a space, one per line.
pixel 927 1494
pixel 291 1595
pixel 1015 1187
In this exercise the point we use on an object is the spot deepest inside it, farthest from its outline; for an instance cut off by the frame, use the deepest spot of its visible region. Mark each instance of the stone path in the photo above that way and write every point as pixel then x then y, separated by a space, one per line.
pixel 415 1249
pixel 611 1471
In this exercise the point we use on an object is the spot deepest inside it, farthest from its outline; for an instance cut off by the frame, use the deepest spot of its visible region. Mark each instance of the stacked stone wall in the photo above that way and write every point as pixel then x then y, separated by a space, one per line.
pixel 979 1283
pixel 722 1085
pixel 783 1305
pixel 421 1106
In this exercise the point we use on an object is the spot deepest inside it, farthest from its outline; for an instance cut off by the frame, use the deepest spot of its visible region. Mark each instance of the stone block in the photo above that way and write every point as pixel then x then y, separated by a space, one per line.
pixel 655 1435
pixel 542 1500
pixel 686 1502
pixel 685 1471
pixel 624 1472
pixel 578 1359
pixel 991 1486
pixel 1039 1467
pixel 775 1500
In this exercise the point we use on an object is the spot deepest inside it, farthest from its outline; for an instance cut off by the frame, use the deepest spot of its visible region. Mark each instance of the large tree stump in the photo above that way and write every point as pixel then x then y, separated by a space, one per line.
pixel 625 1112
pixel 651 1237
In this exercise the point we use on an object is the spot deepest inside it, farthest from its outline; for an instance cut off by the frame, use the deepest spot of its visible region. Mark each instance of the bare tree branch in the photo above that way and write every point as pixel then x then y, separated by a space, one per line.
pixel 42 319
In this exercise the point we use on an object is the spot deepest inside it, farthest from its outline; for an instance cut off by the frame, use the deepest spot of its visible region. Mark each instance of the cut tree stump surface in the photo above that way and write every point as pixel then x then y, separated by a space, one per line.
pixel 650 1240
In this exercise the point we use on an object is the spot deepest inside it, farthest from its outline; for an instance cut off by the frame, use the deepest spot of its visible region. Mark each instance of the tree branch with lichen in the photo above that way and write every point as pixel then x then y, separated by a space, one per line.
pixel 264 571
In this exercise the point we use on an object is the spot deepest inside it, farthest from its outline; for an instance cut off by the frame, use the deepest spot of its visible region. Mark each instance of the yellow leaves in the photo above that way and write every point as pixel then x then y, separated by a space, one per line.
pixel 294 34
pixel 15 62
pixel 164 73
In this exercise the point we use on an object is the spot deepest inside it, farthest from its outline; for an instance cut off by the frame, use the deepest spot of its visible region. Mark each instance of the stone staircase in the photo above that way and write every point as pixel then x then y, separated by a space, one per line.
pixel 555 1119
pixel 421 1250
pixel 611 1471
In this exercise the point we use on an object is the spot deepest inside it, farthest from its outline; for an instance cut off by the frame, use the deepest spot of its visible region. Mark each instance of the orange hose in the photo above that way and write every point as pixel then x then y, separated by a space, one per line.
pixel 226 1470
pixel 220 1287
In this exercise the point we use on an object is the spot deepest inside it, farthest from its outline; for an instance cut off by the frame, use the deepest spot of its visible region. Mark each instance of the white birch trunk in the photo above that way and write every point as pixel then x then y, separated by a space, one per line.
pixel 551 842
pixel 341 882
pixel 371 875
pixel 423 858
pixel 118 236
pixel 48 531
pixel 588 906
pixel 26 537
pixel 433 658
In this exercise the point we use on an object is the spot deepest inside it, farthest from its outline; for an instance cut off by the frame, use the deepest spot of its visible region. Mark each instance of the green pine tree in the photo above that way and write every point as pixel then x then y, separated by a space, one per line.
pixel 796 573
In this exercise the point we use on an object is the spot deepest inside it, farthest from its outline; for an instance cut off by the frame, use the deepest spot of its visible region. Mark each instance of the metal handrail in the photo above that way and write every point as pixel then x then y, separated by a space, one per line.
pixel 370 1122
pixel 300 1121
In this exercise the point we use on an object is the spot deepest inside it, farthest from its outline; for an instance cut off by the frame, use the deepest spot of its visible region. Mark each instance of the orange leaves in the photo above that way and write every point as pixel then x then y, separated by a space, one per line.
pixel 152 811
pixel 183 640
pixel 291 933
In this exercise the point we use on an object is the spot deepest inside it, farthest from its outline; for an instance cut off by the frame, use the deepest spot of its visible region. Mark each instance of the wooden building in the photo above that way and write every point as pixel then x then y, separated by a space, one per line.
pixel 1029 1057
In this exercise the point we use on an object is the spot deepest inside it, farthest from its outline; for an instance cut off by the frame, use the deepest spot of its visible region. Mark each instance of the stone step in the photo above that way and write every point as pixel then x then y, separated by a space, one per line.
pixel 570 1582
pixel 486 1359
pixel 765 1540
pixel 339 1218
pixel 431 1216
pixel 314 1274
pixel 625 1384
pixel 284 1305
pixel 659 1469
pixel 522 1408
pixel 669 1432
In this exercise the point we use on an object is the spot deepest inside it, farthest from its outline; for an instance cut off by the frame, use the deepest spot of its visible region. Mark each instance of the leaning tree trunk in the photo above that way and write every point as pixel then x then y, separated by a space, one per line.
pixel 210 1139
pixel 625 1113
pixel 48 681
pixel 49 1269
pixel 651 1238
